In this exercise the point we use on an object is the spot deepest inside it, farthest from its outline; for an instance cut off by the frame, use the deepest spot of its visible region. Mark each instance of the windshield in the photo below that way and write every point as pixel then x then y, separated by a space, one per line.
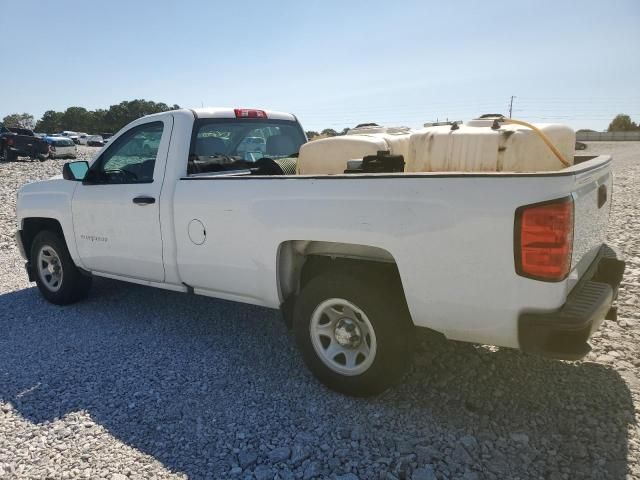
pixel 62 142
pixel 236 143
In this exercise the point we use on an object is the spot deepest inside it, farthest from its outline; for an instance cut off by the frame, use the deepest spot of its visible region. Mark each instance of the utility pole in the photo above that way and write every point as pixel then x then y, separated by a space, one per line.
pixel 511 105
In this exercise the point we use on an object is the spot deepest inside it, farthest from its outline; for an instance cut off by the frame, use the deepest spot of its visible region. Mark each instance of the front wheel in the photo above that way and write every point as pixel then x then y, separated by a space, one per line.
pixel 354 332
pixel 57 277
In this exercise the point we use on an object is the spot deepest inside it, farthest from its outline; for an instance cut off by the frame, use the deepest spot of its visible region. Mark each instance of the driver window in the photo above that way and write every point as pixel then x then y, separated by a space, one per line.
pixel 132 157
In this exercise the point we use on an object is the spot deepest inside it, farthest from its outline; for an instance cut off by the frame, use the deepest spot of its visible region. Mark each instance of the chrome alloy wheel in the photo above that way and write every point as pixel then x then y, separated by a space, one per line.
pixel 343 337
pixel 49 268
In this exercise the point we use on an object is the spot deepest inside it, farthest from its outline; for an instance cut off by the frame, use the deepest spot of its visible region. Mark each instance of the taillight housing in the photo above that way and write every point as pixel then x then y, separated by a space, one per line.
pixel 543 240
pixel 249 113
pixel 10 141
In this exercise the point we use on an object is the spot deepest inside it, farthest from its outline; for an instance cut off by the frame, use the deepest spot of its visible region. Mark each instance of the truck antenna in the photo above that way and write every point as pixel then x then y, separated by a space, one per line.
pixel 511 105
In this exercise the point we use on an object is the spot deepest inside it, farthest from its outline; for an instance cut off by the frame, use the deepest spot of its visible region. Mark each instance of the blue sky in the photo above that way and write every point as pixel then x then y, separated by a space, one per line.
pixel 333 63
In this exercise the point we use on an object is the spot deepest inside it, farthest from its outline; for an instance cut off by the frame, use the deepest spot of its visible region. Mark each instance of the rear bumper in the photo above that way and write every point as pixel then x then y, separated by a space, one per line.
pixel 564 333
pixel 20 150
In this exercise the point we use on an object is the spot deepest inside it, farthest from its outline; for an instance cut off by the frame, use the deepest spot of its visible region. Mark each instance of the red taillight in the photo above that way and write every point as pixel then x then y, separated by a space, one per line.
pixel 9 141
pixel 249 113
pixel 544 240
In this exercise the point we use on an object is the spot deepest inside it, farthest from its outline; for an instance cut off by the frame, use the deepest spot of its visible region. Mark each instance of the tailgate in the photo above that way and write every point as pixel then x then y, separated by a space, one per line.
pixel 592 194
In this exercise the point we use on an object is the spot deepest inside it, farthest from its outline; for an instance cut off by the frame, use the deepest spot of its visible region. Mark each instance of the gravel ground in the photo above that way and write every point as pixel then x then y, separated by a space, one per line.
pixel 144 383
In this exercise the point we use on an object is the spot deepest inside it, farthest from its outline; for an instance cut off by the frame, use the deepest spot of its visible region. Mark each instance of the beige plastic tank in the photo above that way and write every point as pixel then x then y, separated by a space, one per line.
pixel 476 147
pixel 330 155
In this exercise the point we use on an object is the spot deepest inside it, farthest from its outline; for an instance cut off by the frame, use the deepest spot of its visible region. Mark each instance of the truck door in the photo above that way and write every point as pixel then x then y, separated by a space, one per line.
pixel 116 211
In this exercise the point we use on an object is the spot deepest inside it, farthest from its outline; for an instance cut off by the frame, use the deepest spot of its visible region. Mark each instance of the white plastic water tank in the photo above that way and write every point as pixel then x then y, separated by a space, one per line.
pixel 330 155
pixel 476 147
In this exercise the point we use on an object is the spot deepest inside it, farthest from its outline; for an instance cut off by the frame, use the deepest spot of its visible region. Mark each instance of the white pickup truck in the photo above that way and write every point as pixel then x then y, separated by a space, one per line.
pixel 358 263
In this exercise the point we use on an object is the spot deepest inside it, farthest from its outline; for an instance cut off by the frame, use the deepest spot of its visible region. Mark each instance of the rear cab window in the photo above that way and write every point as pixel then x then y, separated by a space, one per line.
pixel 229 144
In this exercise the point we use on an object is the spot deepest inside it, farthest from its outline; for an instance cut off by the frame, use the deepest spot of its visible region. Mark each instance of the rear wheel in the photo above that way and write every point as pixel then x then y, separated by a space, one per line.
pixel 57 277
pixel 8 155
pixel 354 332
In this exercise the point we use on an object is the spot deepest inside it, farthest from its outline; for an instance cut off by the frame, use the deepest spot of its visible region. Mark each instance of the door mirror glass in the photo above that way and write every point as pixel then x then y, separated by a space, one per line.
pixel 75 170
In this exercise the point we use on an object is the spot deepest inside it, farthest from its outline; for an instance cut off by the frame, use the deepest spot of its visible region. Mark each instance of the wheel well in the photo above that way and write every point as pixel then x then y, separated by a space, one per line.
pixel 301 260
pixel 31 227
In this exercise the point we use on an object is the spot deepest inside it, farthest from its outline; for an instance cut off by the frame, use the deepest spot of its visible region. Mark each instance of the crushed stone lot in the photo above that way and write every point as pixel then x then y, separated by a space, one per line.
pixel 143 383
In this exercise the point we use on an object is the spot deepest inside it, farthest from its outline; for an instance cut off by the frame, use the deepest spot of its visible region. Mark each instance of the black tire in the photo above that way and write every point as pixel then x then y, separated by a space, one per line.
pixel 43 157
pixel 73 285
pixel 8 155
pixel 383 304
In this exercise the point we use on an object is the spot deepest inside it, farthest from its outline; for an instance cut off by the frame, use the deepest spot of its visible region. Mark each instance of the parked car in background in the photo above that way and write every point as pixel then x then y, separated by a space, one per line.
pixel 253 145
pixel 75 136
pixel 581 146
pixel 106 136
pixel 95 141
pixel 21 142
pixel 61 147
pixel 82 138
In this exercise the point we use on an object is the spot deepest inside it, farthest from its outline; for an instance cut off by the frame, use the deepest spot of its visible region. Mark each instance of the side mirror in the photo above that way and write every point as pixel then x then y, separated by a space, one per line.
pixel 75 170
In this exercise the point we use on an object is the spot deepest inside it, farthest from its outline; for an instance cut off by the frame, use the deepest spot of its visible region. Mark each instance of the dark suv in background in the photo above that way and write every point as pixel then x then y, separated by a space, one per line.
pixel 21 142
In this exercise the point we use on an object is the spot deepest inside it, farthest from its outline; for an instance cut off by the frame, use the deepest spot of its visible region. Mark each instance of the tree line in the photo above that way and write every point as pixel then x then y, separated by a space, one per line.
pixel 79 119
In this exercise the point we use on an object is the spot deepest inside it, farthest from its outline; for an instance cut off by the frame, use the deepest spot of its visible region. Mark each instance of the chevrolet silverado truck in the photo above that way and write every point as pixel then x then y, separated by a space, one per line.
pixel 358 263
pixel 21 142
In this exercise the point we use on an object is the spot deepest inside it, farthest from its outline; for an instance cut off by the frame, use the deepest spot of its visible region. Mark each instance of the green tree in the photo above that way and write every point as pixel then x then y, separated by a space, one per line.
pixel 622 123
pixel 51 122
pixel 76 119
pixel 22 120
pixel 95 121
pixel 119 115
pixel 311 134
pixel 329 132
